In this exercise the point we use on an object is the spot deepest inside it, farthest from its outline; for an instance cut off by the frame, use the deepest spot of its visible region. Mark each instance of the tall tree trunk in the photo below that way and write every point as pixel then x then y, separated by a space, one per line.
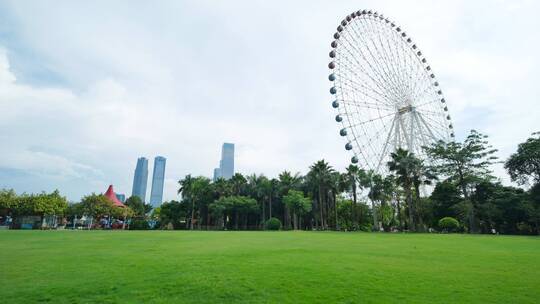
pixel 374 212
pixel 321 207
pixel 335 210
pixel 236 219
pixel 270 206
pixel 295 220
pixel 353 205
pixel 263 212
pixel 412 226
pixel 419 221
pixel 192 214
pixel 286 216
pixel 470 214
pixel 399 213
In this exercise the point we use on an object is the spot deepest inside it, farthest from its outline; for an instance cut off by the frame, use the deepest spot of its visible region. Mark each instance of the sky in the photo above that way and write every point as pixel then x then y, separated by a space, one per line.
pixel 87 87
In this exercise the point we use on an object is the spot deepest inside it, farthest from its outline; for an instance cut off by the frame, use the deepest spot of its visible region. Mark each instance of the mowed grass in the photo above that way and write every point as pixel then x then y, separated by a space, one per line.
pixel 266 267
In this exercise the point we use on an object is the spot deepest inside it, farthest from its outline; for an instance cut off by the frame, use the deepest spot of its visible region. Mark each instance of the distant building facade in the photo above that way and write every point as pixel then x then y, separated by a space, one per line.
pixel 226 164
pixel 121 197
pixel 217 174
pixel 158 179
pixel 140 179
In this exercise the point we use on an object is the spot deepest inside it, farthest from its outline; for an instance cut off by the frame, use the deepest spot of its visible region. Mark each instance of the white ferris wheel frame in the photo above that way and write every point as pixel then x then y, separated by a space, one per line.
pixel 386 93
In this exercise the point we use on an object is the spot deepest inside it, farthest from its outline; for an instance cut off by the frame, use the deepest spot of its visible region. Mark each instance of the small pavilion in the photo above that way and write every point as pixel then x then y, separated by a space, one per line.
pixel 112 196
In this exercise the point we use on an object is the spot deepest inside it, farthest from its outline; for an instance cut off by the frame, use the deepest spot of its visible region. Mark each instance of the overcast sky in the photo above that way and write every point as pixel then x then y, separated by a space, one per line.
pixel 86 87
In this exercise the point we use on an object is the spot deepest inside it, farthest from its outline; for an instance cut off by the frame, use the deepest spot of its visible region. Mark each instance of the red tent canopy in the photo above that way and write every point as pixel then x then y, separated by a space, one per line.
pixel 112 196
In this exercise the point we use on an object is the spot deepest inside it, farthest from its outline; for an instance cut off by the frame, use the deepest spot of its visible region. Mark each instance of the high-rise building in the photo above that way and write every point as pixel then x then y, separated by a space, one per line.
pixel 140 179
pixel 227 161
pixel 158 178
pixel 226 164
pixel 217 173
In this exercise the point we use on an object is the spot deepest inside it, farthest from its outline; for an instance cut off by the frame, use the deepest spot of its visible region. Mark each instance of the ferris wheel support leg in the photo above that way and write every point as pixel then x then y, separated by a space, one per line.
pixel 383 154
pixel 407 139
pixel 427 126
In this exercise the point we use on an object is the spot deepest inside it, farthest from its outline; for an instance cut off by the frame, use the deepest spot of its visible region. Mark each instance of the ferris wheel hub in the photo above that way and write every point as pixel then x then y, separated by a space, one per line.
pixel 406 109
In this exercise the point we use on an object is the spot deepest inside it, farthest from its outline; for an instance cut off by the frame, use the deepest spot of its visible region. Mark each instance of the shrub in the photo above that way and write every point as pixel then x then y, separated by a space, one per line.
pixel 139 225
pixel 448 224
pixel 273 224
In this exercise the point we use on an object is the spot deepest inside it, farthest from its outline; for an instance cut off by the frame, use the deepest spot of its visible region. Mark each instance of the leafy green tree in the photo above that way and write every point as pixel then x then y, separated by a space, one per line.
pixel 173 212
pixel 298 204
pixel 524 165
pixel 96 205
pixel 139 208
pixel 198 192
pixel 8 201
pixel 236 206
pixel 286 182
pixel 465 164
pixel 273 223
pixel 345 217
pixel 448 224
pixel 445 197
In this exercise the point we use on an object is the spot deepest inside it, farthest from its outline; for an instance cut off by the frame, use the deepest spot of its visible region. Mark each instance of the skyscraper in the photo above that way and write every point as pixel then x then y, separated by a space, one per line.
pixel 227 161
pixel 217 174
pixel 158 178
pixel 140 179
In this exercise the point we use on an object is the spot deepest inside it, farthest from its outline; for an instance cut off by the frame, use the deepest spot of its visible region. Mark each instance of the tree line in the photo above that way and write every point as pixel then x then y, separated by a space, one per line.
pixel 452 181
pixel 450 187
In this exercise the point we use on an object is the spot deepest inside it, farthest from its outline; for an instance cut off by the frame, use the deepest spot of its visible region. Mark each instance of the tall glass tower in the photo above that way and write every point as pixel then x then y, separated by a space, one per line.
pixel 227 161
pixel 140 178
pixel 158 178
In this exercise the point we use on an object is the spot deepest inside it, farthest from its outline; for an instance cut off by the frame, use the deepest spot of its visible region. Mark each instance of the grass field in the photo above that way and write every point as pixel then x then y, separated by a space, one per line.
pixel 266 267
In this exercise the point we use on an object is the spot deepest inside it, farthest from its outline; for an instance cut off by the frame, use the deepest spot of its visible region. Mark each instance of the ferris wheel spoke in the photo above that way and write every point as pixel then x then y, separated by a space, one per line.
pixel 377 84
pixel 366 105
pixel 383 56
pixel 435 126
pixel 393 50
pixel 356 124
pixel 381 75
pixel 426 103
pixel 386 103
pixel 376 78
pixel 424 111
pixel 397 71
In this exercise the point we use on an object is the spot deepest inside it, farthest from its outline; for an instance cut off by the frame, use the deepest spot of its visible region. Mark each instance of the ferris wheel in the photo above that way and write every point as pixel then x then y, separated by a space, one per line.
pixel 386 94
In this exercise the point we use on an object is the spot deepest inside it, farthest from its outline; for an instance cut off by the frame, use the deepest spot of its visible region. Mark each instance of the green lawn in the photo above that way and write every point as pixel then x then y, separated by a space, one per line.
pixel 266 267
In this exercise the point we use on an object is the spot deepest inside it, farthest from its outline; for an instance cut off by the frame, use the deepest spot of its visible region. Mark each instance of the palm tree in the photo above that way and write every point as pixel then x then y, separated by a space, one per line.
pixel 256 189
pixel 222 188
pixel 186 189
pixel 352 175
pixel 407 168
pixel 320 178
pixel 338 184
pixel 238 184
pixel 286 183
